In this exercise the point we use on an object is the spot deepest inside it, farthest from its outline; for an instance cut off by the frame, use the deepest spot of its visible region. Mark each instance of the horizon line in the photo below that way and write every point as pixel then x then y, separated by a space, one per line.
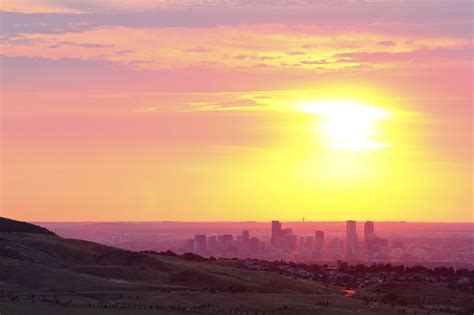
pixel 252 221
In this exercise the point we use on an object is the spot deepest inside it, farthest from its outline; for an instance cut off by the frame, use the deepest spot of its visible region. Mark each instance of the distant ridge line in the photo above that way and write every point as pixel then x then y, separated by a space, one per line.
pixel 13 226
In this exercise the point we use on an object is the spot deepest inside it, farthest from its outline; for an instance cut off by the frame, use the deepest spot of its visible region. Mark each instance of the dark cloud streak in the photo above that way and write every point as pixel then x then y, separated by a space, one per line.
pixel 440 18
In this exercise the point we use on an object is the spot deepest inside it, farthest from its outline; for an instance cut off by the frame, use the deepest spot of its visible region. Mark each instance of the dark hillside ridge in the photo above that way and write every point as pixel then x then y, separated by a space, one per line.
pixel 13 226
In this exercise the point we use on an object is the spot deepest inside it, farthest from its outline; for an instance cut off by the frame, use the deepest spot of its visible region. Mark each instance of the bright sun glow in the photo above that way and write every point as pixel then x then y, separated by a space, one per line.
pixel 348 125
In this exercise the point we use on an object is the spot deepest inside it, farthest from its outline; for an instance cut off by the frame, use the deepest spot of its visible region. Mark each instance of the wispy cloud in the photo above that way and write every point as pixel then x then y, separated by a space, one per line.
pixel 202 106
pixel 265 47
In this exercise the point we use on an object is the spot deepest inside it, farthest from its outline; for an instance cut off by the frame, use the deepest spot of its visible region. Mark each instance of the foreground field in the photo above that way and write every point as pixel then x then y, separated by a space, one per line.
pixel 201 303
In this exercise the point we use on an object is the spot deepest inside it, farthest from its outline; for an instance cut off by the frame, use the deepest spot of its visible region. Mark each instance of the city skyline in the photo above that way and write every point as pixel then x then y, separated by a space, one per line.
pixel 429 244
pixel 282 244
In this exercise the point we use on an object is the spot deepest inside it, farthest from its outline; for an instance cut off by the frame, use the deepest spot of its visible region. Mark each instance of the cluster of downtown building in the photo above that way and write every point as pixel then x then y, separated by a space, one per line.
pixel 283 244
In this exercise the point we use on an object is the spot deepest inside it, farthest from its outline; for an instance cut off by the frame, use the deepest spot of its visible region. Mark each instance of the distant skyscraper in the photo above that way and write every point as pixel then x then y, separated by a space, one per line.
pixel 200 241
pixel 284 239
pixel 370 239
pixel 318 243
pixel 369 230
pixel 276 233
pixel 351 241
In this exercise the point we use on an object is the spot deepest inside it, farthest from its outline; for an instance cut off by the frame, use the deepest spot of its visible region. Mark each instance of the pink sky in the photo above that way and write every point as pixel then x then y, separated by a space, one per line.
pixel 172 110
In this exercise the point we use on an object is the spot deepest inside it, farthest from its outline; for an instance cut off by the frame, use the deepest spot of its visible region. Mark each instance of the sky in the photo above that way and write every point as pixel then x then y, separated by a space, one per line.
pixel 236 110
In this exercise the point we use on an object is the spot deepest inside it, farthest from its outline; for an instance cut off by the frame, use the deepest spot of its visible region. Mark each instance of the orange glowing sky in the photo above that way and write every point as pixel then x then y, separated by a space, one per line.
pixel 233 110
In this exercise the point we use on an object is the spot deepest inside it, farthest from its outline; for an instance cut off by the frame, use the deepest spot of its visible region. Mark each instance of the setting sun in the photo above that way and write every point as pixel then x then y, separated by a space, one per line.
pixel 348 125
pixel 236 110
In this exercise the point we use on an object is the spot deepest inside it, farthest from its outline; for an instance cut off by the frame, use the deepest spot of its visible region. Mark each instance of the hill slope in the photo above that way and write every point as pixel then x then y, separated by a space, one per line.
pixel 48 262
pixel 11 226
pixel 41 273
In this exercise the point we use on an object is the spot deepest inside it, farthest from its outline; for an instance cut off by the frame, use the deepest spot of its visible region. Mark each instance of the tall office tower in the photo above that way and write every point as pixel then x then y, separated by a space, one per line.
pixel 370 239
pixel 276 233
pixel 318 243
pixel 287 241
pixel 351 241
pixel 245 236
pixel 200 241
pixel 369 230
